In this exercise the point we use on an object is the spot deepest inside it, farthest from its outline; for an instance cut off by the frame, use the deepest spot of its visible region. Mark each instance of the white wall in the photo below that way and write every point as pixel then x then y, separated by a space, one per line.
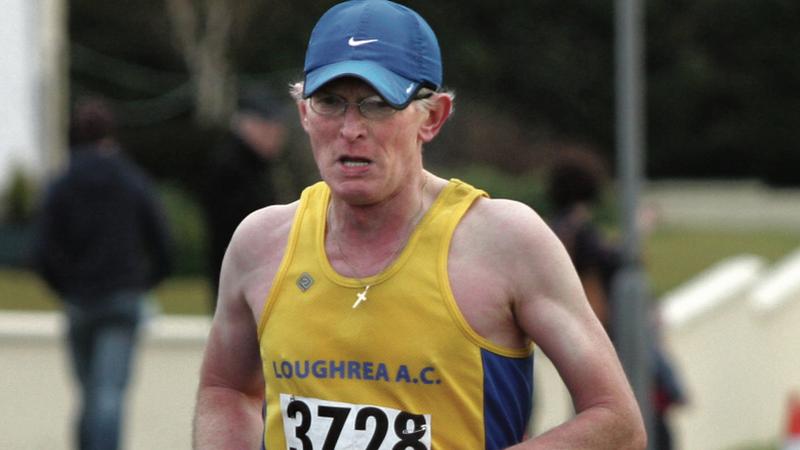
pixel 734 334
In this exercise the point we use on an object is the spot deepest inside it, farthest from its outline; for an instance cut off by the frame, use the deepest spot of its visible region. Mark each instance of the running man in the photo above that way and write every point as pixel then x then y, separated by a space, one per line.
pixel 389 308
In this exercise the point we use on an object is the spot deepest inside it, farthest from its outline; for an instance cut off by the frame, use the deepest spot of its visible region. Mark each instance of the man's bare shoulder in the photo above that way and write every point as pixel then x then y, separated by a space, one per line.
pixel 506 224
pixel 272 217
pixel 263 233
pixel 511 241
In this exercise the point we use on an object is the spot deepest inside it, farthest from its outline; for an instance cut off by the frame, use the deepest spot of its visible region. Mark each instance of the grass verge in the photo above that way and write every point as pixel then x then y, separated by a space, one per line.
pixel 673 256
pixel 21 290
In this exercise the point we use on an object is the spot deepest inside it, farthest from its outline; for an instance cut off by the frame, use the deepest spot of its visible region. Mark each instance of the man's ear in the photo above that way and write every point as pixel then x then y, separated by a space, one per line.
pixel 302 109
pixel 437 115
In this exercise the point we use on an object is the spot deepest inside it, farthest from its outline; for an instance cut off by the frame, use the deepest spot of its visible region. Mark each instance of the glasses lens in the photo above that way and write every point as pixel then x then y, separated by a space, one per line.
pixel 327 104
pixel 375 108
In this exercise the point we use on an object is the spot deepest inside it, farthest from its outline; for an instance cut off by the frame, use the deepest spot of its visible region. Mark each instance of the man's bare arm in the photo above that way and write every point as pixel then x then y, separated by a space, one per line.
pixel 231 393
pixel 551 308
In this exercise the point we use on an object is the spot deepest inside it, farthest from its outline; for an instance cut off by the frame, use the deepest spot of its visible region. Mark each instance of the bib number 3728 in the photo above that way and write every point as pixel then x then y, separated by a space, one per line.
pixel 314 424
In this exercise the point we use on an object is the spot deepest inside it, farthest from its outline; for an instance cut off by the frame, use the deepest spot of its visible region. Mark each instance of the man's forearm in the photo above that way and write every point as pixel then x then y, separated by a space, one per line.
pixel 226 419
pixel 596 429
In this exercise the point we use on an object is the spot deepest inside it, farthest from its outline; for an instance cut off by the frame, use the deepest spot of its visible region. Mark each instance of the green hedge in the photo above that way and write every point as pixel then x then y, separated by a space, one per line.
pixel 188 230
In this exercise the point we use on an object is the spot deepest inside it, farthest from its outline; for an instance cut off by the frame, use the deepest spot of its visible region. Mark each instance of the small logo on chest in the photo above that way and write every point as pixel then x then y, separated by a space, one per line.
pixel 304 281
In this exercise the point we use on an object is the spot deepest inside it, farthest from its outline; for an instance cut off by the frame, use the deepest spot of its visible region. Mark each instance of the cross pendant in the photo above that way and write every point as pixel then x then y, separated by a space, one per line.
pixel 361 297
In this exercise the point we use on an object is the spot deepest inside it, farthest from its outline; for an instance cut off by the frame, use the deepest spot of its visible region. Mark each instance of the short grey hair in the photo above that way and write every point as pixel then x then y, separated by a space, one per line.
pixel 296 91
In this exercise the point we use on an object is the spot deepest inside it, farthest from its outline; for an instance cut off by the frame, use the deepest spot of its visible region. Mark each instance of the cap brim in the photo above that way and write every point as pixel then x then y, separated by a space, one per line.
pixel 395 89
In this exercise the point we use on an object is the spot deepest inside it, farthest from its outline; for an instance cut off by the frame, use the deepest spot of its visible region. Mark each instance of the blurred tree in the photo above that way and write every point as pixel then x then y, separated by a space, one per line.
pixel 724 89
pixel 723 76
pixel 205 33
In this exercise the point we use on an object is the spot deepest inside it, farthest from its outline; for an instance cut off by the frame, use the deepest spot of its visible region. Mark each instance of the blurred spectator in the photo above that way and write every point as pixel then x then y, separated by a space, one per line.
pixel 239 178
pixel 576 183
pixel 101 245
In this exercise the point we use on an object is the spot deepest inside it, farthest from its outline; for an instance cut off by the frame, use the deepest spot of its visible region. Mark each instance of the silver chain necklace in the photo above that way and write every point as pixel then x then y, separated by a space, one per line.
pixel 362 296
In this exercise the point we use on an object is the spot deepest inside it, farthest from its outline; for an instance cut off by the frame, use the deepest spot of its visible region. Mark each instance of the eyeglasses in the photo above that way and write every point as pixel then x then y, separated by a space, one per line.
pixel 373 107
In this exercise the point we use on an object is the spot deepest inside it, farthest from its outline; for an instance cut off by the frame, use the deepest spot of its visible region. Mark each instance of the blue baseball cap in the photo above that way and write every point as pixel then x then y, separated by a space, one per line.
pixel 387 45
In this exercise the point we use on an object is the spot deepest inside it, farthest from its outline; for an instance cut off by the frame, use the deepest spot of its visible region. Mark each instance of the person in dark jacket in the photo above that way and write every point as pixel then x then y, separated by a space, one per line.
pixel 239 178
pixel 102 243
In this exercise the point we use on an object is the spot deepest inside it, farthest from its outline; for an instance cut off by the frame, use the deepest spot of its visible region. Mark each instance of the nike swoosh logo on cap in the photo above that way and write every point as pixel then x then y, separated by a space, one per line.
pixel 355 43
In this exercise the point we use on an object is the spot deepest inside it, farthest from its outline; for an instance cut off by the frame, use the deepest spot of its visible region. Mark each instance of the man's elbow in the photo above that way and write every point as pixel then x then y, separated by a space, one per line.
pixel 639 440
pixel 637 434
pixel 629 431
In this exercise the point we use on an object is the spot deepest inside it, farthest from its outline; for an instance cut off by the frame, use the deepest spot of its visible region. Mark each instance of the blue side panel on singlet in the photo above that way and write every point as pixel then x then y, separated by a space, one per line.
pixel 508 397
pixel 263 416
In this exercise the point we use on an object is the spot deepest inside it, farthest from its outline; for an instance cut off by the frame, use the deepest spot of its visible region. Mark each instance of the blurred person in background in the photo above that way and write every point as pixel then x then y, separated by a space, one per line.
pixel 102 244
pixel 576 183
pixel 239 178
pixel 389 307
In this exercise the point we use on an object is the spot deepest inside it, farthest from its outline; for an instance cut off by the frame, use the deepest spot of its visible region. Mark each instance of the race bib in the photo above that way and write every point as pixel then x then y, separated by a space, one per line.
pixel 314 424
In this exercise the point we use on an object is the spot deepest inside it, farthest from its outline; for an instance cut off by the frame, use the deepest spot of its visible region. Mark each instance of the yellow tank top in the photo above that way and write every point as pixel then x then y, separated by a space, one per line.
pixel 401 370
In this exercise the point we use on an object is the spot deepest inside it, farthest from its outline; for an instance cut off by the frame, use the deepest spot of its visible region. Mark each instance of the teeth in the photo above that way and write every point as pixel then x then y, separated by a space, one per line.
pixel 355 163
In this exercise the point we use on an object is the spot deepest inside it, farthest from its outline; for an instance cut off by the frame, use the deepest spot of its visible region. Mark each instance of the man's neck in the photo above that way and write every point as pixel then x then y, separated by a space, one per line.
pixel 368 238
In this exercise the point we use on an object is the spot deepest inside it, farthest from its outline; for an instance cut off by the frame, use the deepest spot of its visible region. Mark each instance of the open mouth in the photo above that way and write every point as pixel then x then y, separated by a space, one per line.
pixel 354 162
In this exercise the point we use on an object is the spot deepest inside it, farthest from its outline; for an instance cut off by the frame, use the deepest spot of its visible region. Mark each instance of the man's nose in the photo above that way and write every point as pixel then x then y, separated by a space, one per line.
pixel 353 123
